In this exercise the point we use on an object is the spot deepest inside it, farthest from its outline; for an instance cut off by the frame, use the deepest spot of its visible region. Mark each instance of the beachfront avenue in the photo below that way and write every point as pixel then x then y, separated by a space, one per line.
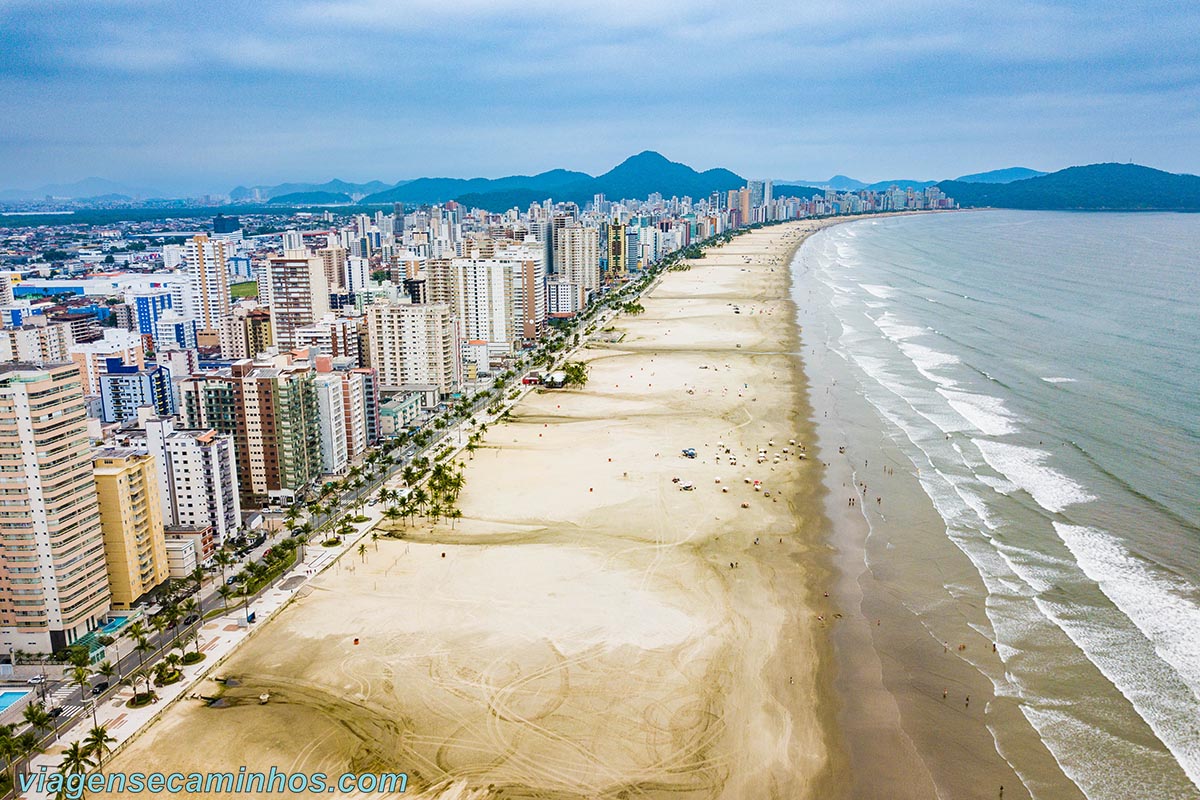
pixel 74 786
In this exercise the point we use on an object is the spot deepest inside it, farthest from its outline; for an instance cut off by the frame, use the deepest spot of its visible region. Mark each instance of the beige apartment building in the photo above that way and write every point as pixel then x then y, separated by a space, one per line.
pixel 414 347
pixel 53 582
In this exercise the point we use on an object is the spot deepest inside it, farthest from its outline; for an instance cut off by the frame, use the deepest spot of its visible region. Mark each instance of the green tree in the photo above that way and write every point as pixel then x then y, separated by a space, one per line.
pixel 97 743
pixel 76 761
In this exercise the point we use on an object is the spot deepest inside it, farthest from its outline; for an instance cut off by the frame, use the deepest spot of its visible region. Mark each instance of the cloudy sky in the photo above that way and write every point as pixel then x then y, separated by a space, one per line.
pixel 203 96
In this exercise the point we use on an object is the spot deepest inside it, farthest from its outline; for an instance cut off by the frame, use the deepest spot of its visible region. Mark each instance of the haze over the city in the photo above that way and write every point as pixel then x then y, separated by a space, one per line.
pixel 178 100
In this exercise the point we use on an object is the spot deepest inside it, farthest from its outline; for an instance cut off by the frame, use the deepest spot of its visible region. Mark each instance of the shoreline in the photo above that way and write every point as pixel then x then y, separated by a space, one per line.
pixel 901 738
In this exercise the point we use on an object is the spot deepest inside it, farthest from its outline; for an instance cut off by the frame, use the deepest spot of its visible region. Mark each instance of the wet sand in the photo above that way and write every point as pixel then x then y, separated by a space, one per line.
pixel 581 632
pixel 902 738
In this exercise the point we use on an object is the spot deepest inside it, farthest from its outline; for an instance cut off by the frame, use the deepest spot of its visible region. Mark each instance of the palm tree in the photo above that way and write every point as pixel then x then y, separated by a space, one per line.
pixel 171 617
pixel 223 560
pixel 81 677
pixel 29 744
pixel 10 752
pixel 455 483
pixel 419 498
pixel 471 448
pixel 362 552
pixel 454 514
pixel 391 515
pixel 107 671
pixel 225 592
pixel 37 717
pixel 97 744
pixel 136 677
pixel 375 540
pixel 136 632
pixel 192 606
pixel 197 575
pixel 143 646
pixel 76 761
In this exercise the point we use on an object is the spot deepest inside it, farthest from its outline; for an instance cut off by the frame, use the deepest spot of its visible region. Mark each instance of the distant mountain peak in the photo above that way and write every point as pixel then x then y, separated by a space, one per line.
pixel 1006 175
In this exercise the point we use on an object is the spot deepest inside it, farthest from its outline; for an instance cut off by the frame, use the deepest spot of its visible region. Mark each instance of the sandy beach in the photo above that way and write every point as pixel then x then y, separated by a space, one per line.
pixel 588 628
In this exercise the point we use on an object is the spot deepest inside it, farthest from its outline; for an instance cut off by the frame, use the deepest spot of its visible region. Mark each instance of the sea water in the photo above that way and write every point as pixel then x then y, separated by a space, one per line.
pixel 1041 371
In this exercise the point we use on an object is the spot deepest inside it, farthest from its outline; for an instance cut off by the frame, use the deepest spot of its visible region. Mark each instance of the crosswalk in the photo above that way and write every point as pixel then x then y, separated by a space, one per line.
pixel 57 698
pixel 70 710
pixel 60 694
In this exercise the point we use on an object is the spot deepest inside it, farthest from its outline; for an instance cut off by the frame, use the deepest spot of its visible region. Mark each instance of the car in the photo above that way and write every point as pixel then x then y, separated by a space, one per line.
pixel 190 618
pixel 36 680
pixel 98 688
pixel 56 712
pixel 231 580
pixel 267 552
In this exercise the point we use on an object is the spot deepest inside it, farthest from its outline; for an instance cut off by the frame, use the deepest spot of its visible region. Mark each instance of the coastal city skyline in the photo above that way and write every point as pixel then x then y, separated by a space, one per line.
pixel 523 399
pixel 368 90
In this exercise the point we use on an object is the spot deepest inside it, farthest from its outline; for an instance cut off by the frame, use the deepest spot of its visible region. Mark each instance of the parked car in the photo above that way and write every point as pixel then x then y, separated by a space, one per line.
pixel 98 688
pixel 231 580
pixel 190 618
pixel 36 679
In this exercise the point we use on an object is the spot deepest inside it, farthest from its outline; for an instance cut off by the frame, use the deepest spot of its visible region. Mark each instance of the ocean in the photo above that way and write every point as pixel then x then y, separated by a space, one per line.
pixel 1038 374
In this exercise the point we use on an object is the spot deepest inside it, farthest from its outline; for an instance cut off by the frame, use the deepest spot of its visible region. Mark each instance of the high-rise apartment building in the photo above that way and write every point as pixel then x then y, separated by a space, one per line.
pixel 197 478
pixel 131 520
pixel 148 307
pixel 414 347
pixel 91 358
pixel 209 295
pixel 577 253
pixel 124 389
pixel 37 341
pixel 333 259
pixel 269 406
pixel 483 302
pixel 174 331
pixel 53 584
pixel 246 332
pixel 618 252
pixel 336 337
pixel 527 264
pixel 298 295
pixel 331 417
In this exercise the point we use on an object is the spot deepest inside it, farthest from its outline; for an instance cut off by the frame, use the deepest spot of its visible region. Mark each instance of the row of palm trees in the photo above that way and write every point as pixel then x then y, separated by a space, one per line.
pixel 78 758
pixel 434 497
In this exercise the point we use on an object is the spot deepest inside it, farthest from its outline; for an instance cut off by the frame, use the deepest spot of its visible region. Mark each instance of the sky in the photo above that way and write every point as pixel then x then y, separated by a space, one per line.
pixel 200 97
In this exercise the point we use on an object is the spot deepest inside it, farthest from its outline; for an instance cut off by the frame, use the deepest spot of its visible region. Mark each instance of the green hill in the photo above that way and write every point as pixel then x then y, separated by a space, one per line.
pixel 1096 187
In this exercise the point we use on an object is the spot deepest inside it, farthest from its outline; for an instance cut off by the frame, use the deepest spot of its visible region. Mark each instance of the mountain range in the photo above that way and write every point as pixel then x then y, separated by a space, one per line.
pixel 274 193
pixel 637 176
pixel 1092 187
pixel 844 183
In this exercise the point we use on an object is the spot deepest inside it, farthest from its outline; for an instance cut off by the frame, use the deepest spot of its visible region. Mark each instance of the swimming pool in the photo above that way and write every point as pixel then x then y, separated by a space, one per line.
pixel 113 625
pixel 8 699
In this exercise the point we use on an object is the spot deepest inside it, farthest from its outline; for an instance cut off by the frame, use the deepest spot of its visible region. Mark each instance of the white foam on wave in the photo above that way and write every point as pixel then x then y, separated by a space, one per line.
pixel 1163 607
pixel 1025 466
pixel 1053 379
pixel 987 413
pixel 896 330
pixel 926 358
pixel 880 371
pixel 882 292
